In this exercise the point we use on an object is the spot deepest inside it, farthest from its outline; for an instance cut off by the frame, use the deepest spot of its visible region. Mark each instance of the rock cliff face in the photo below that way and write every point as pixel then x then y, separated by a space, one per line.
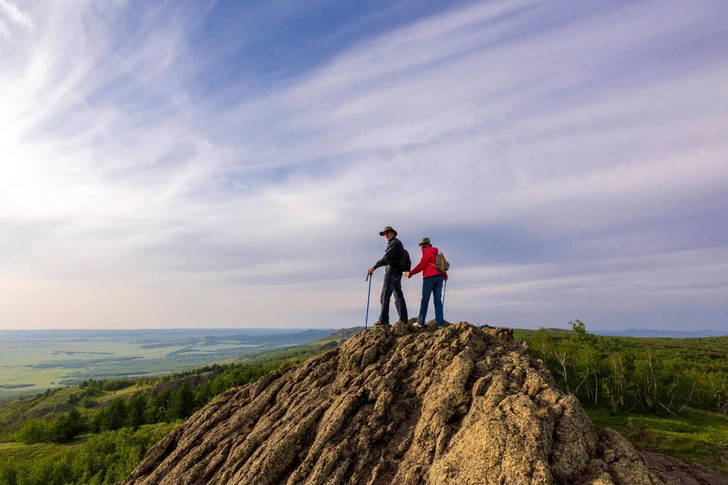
pixel 399 405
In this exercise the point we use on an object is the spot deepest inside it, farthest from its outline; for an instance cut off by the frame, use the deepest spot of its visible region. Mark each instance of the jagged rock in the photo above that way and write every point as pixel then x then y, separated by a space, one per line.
pixel 398 405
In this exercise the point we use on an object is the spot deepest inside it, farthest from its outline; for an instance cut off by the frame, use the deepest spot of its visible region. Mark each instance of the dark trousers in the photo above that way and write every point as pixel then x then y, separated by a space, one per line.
pixel 392 284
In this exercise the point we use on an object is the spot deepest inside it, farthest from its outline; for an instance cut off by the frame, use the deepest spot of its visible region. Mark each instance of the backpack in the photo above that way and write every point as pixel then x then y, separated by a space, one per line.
pixel 405 263
pixel 441 263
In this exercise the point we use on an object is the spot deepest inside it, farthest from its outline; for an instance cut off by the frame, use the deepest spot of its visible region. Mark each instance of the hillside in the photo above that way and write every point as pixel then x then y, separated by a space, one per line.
pixel 398 405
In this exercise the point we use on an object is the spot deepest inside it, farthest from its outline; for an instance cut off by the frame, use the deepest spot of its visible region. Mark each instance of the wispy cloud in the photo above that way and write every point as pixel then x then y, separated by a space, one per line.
pixel 11 11
pixel 152 161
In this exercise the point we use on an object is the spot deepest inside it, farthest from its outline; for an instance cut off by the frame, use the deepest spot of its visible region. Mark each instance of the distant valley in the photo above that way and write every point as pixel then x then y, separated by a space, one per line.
pixel 35 360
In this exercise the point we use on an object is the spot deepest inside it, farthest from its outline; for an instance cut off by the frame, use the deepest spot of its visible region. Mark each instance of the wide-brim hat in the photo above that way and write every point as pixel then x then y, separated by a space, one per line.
pixel 388 228
pixel 425 240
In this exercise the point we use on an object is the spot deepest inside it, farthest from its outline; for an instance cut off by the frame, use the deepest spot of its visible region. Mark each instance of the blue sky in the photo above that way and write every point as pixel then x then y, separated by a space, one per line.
pixel 217 164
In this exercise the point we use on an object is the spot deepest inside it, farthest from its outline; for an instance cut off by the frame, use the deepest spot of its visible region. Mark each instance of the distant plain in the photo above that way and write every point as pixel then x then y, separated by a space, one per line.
pixel 32 361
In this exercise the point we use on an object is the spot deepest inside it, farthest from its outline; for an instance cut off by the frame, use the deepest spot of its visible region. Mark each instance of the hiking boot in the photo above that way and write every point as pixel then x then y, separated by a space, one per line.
pixel 379 324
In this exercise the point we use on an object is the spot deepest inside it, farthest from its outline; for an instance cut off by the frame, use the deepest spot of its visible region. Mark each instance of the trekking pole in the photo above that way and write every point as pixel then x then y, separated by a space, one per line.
pixel 366 319
pixel 444 290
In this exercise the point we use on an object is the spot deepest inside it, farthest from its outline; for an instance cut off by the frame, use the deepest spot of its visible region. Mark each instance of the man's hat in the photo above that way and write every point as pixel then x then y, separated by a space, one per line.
pixel 388 228
pixel 425 240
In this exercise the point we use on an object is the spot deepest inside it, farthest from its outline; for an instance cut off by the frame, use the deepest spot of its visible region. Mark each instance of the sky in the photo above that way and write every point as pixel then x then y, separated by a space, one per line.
pixel 177 164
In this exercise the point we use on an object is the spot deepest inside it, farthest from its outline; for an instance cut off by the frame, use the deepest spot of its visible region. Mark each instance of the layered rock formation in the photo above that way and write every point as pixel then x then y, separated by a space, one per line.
pixel 398 405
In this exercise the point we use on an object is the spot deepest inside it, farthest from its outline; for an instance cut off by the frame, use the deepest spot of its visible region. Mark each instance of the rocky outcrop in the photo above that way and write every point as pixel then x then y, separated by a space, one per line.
pixel 399 405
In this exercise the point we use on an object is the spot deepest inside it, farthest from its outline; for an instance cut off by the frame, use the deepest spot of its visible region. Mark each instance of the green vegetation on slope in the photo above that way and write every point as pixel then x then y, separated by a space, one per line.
pixel 103 443
pixel 663 394
pixel 659 375
pixel 103 459
pixel 91 395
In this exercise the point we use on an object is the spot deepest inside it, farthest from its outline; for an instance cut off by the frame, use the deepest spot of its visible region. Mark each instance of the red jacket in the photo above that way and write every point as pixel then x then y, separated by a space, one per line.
pixel 427 264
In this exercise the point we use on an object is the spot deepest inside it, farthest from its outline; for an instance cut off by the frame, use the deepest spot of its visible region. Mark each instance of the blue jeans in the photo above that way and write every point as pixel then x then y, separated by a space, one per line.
pixel 432 285
pixel 392 284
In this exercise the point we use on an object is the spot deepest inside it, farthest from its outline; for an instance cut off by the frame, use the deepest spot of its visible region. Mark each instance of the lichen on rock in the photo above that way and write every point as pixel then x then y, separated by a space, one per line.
pixel 398 405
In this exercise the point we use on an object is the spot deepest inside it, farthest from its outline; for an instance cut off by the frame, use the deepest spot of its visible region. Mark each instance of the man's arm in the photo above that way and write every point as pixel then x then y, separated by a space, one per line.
pixel 391 254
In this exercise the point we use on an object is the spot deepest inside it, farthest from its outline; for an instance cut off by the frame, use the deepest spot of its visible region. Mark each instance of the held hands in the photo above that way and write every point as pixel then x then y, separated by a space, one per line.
pixel 407 274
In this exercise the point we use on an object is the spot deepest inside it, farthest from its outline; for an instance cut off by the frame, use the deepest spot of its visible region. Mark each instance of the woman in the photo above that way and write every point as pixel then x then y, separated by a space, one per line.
pixel 432 281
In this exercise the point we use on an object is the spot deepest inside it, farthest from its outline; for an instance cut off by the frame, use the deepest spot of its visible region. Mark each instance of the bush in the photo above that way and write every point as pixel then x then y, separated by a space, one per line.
pixel 34 431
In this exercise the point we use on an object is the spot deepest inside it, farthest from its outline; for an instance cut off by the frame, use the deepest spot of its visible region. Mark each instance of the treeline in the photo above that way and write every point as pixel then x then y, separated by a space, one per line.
pixel 172 398
pixel 659 375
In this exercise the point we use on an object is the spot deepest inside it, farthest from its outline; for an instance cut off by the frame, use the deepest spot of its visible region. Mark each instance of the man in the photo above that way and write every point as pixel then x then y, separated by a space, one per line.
pixel 392 277
pixel 432 281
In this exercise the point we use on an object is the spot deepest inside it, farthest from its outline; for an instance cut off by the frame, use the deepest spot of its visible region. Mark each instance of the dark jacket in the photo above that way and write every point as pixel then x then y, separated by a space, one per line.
pixel 392 254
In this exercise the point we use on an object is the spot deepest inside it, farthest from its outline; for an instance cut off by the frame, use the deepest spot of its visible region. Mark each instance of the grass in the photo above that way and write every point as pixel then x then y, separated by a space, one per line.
pixel 21 452
pixel 695 436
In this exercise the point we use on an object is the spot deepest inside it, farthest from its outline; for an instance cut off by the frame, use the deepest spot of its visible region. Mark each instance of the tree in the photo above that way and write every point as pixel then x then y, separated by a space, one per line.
pixel 588 362
pixel 136 407
pixel 182 403
pixel 114 416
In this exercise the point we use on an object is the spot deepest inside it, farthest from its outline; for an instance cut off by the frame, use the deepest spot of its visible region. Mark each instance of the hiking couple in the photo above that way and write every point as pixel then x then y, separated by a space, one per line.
pixel 397 262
